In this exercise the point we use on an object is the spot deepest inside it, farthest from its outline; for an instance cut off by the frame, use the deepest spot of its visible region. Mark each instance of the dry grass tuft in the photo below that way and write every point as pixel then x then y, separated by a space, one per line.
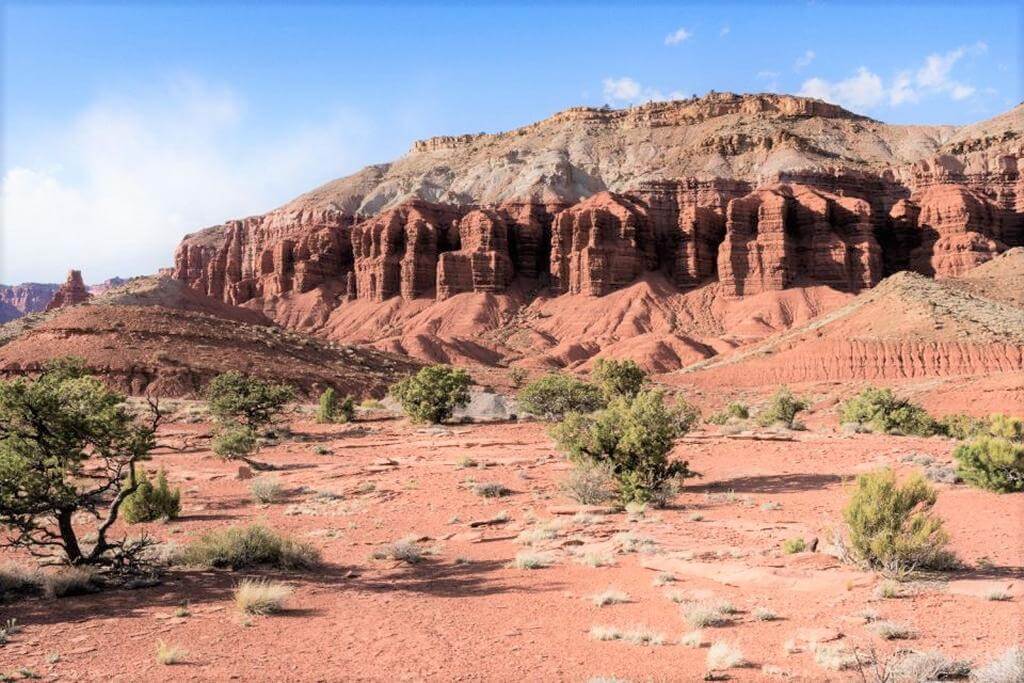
pixel 167 654
pixel 526 560
pixel 261 596
pixel 610 596
pixel 722 655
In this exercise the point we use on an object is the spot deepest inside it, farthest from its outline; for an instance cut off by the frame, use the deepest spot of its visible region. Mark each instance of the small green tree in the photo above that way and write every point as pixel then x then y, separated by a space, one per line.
pixel 151 502
pixel 618 378
pixel 249 401
pixel 883 412
pixel 433 393
pixel 333 410
pixel 782 407
pixel 69 445
pixel 892 526
pixel 633 437
pixel 991 463
pixel 554 395
pixel 328 410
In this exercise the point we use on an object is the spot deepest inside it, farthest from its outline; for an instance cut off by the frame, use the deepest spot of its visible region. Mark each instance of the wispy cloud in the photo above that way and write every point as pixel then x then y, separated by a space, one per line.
pixel 134 174
pixel 678 36
pixel 804 60
pixel 866 89
pixel 724 31
pixel 627 90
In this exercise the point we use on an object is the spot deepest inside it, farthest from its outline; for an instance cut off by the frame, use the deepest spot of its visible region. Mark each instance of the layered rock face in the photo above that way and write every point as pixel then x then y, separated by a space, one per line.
pixel 599 245
pixel 742 190
pixel 71 293
pixel 267 256
pixel 482 263
pixel 19 300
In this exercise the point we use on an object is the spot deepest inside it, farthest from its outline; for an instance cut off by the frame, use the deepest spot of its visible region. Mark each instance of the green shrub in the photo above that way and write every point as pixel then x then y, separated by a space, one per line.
pixel 991 463
pixel 633 437
pixel 237 398
pixel 891 525
pixel 555 395
pixel 234 442
pixel 794 545
pixel 880 410
pixel 433 393
pixel 782 407
pixel 962 426
pixel 738 411
pixel 618 378
pixel 333 410
pixel 246 547
pixel 151 502
pixel 1006 427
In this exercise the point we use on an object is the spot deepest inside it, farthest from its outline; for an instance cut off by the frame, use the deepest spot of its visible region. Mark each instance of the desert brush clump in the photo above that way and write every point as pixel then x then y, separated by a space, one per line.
pixel 1006 668
pixel 891 524
pixel 261 596
pixel 150 502
pixel 234 442
pixel 722 655
pixel 433 393
pixel 733 411
pixel 590 483
pixel 926 667
pixel 610 596
pixel 167 654
pixel 331 409
pixel 618 378
pixel 881 411
pixel 992 463
pixel 266 490
pixel 246 547
pixel 529 560
pixel 782 407
pixel 491 489
pixel 555 395
pixel 634 438
pixel 705 614
pixel 406 550
pixel 69 451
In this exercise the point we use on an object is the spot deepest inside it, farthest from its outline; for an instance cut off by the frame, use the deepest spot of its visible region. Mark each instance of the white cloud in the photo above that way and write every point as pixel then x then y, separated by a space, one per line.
pixel 866 90
pixel 724 31
pixel 130 176
pixel 621 89
pixel 626 90
pixel 863 90
pixel 678 36
pixel 771 80
pixel 804 60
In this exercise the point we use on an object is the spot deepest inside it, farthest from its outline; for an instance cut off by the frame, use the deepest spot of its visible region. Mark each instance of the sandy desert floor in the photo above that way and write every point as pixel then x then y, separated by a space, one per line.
pixel 465 614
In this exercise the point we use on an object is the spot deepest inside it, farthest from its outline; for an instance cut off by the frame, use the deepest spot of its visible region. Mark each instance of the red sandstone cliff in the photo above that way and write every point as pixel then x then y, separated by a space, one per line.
pixel 19 300
pixel 757 193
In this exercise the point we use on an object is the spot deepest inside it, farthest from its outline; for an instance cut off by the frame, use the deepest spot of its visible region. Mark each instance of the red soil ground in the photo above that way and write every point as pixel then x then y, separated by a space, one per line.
pixel 465 614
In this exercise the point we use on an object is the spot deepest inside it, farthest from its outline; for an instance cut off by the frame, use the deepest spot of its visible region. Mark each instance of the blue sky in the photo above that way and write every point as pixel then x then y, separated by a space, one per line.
pixel 127 125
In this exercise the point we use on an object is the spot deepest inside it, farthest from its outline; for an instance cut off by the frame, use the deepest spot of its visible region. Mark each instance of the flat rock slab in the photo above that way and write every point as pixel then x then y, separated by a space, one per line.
pixel 772 578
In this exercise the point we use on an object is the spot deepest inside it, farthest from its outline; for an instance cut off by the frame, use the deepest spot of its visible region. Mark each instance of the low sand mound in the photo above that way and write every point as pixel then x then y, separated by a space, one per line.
pixel 908 327
pixel 156 336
